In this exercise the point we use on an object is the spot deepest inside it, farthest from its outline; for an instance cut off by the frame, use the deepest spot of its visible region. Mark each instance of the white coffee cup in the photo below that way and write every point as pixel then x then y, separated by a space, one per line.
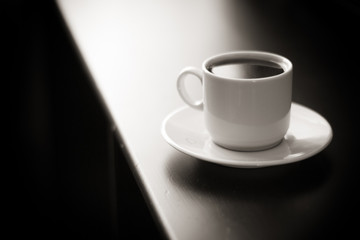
pixel 246 113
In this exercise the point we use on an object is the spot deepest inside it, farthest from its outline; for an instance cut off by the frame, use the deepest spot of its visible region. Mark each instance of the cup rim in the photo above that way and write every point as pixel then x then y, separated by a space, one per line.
pixel 285 63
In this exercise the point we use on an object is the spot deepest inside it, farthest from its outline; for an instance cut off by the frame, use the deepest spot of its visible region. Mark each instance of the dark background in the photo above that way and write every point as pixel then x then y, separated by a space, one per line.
pixel 67 177
pixel 63 180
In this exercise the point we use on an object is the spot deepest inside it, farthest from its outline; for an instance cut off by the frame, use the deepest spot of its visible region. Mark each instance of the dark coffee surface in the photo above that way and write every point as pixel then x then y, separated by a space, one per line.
pixel 246 69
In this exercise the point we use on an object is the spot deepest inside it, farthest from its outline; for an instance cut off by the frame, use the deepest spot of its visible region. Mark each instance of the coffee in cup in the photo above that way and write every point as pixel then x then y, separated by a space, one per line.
pixel 246 98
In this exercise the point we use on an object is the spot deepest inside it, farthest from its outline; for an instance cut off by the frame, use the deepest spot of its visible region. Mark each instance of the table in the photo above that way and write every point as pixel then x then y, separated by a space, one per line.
pixel 133 51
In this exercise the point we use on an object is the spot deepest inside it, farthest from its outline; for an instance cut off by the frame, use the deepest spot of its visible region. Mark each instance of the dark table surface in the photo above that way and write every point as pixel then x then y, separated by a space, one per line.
pixel 134 50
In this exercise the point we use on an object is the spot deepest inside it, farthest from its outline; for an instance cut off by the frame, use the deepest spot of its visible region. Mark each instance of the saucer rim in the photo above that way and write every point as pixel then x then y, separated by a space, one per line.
pixel 241 164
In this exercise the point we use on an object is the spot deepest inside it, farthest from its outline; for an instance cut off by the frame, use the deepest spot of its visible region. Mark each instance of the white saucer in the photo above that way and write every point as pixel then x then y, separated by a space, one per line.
pixel 308 134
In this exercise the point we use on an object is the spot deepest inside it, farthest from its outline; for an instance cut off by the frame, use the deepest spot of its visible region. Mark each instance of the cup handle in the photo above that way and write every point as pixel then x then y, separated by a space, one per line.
pixel 182 90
